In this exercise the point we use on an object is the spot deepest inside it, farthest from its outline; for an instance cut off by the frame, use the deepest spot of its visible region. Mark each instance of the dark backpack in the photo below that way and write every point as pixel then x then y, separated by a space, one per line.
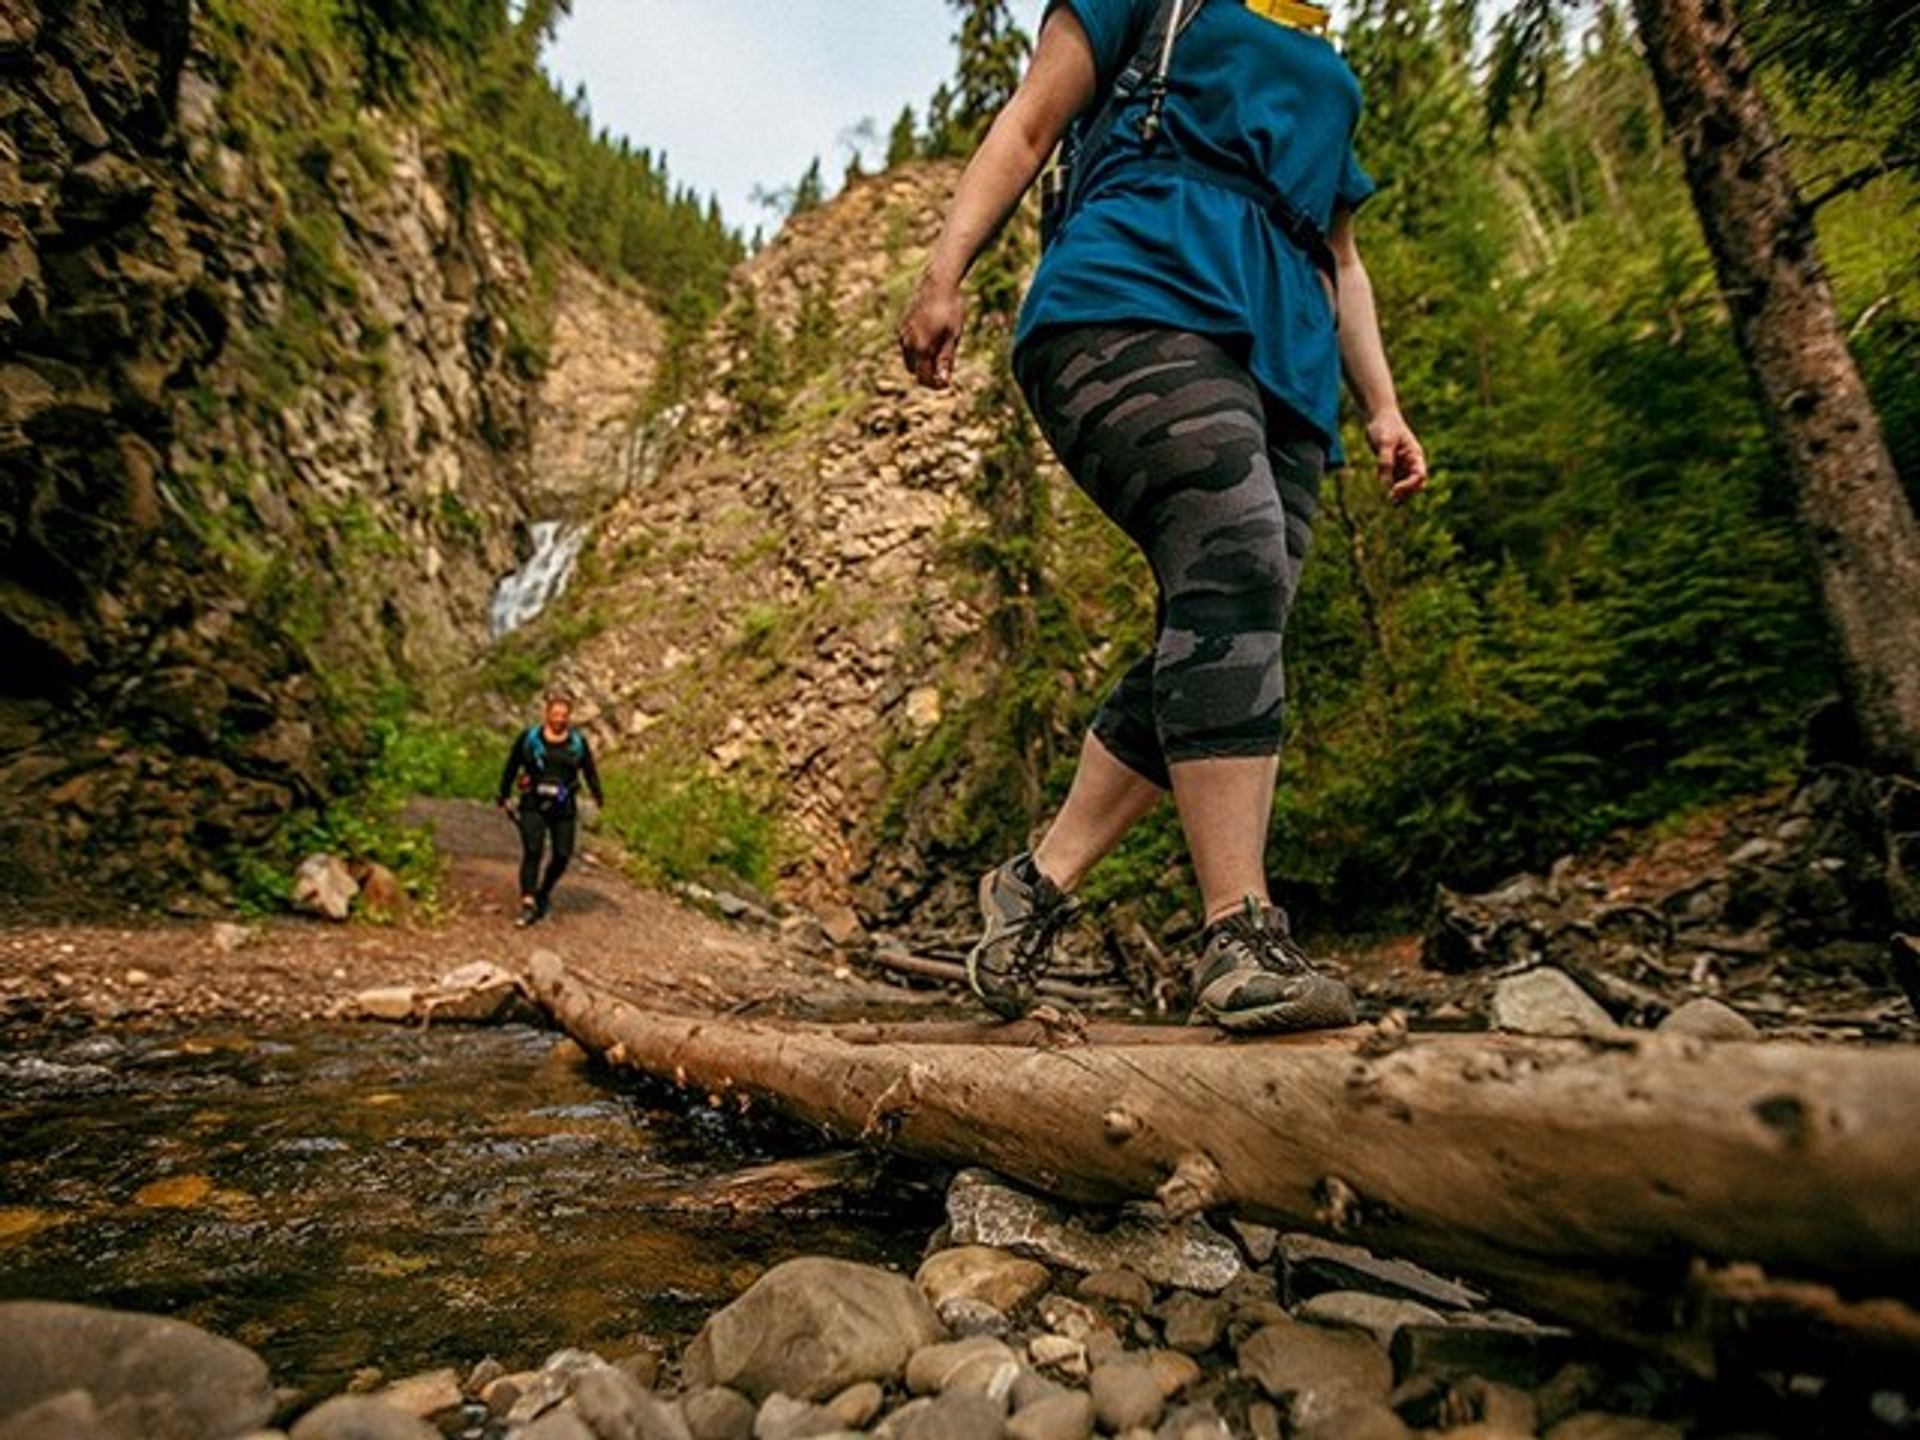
pixel 537 747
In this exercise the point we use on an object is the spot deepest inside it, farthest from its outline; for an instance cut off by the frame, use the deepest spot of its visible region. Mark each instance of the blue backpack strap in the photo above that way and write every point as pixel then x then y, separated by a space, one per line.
pixel 536 747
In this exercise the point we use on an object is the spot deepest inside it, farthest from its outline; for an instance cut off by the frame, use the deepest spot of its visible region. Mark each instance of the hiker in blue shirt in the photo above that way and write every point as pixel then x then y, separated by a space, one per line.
pixel 1181 347
pixel 546 768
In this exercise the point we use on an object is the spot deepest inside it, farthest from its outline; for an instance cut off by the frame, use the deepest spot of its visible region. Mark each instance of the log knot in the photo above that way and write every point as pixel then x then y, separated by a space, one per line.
pixel 1194 1186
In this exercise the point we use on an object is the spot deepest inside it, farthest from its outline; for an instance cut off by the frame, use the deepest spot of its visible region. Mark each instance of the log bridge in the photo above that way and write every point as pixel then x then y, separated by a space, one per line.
pixel 1673 1193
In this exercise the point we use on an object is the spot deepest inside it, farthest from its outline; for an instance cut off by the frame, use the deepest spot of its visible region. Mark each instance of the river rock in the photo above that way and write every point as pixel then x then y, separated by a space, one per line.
pixel 1066 1415
pixel 428 1396
pixel 1126 1396
pixel 1596 1425
pixel 1340 1415
pixel 984 1273
pixel 615 1406
pixel 811 1327
pixel 717 1413
pixel 1060 1353
pixel 394 1004
pixel 143 1377
pixel 981 1364
pixel 361 1417
pixel 1311 1265
pixel 1187 1255
pixel 1379 1316
pixel 1194 1323
pixel 964 1317
pixel 474 994
pixel 1708 1019
pixel 1194 1422
pixel 856 1405
pixel 1292 1358
pixel 958 1415
pixel 1546 1001
pixel 782 1417
pixel 1120 1287
pixel 324 886
pixel 1174 1369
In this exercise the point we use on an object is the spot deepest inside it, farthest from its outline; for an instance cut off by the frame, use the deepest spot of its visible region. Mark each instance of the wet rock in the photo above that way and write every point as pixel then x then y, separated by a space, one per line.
pixel 1059 1353
pixel 1030 1387
pixel 1310 1265
pixel 717 1413
pixel 1708 1019
pixel 1194 1323
pixel 1121 1287
pixel 1291 1358
pixel 482 1375
pixel 961 1415
pixel 140 1376
pixel 964 1317
pixel 427 1396
pixel 1375 1314
pixel 1126 1396
pixel 1188 1255
pixel 323 886
pixel 1546 1001
pixel 501 1395
pixel 474 994
pixel 984 1273
pixel 361 1417
pixel 1507 1348
pixel 615 1406
pixel 1194 1422
pixel 1067 1415
pixel 981 1364
pixel 1066 1316
pixel 811 1327
pixel 394 1004
pixel 1259 1241
pixel 856 1406
pixel 1496 1406
pixel 1573 1388
pixel 1340 1415
pixel 1174 1370
pixel 1596 1425
pixel 781 1417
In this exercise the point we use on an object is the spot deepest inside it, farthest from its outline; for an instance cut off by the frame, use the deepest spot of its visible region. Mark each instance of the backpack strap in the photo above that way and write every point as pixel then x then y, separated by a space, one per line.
pixel 536 748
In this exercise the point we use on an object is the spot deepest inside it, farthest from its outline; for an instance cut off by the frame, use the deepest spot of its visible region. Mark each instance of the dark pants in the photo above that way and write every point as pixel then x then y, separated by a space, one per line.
pixel 1218 485
pixel 537 826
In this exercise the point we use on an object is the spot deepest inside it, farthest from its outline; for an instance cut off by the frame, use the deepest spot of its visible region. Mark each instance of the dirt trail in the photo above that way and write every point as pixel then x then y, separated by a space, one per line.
pixel 151 969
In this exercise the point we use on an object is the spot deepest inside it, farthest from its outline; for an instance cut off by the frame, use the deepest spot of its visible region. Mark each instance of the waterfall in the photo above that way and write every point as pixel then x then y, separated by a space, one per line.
pixel 530 589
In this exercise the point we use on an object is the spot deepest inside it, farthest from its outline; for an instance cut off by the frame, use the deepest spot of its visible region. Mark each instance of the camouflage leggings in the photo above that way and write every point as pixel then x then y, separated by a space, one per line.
pixel 1218 485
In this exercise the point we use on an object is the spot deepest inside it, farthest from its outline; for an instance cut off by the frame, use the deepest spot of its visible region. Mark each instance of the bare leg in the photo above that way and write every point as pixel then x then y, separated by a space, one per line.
pixel 1106 798
pixel 1226 808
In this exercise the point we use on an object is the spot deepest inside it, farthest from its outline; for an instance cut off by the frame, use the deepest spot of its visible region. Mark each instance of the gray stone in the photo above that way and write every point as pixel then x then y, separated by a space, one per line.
pixel 1310 1265
pixel 811 1327
pixel 855 1406
pixel 552 1384
pixel 67 1416
pixel 562 1422
pixel 1506 1348
pixel 361 1417
pixel 964 1317
pixel 717 1413
pixel 1061 1353
pixel 425 1396
pixel 1064 1415
pixel 1194 1422
pixel 1379 1316
pixel 981 1364
pixel 1257 1240
pixel 1073 1318
pixel 1546 1001
pixel 1187 1254
pixel 782 1417
pixel 984 1273
pixel 1030 1387
pixel 1120 1287
pixel 1126 1396
pixel 1340 1415
pixel 1174 1370
pixel 1705 1018
pixel 1291 1359
pixel 1194 1323
pixel 323 886
pixel 144 1378
pixel 960 1415
pixel 618 1407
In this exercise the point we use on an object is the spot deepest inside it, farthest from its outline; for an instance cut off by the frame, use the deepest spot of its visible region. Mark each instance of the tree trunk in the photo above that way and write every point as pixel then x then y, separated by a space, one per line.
pixel 1864 538
pixel 1588 1182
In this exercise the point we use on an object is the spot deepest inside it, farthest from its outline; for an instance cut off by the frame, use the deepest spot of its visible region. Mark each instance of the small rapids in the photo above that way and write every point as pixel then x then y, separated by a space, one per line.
pixel 338 1196
pixel 534 586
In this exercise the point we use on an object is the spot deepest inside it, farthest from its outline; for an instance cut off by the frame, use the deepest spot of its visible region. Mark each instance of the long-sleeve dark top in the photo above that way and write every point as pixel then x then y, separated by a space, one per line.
pixel 564 766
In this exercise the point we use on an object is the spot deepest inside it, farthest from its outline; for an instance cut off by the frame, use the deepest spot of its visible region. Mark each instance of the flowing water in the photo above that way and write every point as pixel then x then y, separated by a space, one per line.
pixel 535 585
pixel 346 1196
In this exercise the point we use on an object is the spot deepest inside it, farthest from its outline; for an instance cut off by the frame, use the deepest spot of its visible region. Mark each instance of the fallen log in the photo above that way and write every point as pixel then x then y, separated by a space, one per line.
pixel 1582 1180
pixel 952 972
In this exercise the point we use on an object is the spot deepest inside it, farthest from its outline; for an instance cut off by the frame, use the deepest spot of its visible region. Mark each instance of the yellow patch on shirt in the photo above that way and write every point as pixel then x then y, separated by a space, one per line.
pixel 1298 14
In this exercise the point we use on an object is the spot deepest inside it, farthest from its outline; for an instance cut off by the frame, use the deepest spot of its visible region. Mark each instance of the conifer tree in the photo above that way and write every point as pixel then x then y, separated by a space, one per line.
pixel 992 54
pixel 904 143
pixel 811 190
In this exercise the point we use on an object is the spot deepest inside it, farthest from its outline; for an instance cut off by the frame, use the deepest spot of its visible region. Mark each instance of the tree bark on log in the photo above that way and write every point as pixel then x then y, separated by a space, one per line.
pixel 1864 539
pixel 1589 1182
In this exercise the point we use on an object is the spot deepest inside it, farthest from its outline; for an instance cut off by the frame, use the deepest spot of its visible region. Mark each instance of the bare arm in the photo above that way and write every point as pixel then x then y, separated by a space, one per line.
pixel 1058 85
pixel 1403 464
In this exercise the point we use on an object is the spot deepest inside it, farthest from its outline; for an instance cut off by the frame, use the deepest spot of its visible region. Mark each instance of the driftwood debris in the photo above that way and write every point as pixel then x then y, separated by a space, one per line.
pixel 1592 1181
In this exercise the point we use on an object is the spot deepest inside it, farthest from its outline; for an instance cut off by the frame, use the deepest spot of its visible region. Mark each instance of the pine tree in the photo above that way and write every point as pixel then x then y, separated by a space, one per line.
pixel 992 54
pixel 810 192
pixel 904 143
pixel 942 137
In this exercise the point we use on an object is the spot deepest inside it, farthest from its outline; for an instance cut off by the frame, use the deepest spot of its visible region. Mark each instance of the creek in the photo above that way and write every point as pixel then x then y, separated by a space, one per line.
pixel 338 1197
pixel 521 596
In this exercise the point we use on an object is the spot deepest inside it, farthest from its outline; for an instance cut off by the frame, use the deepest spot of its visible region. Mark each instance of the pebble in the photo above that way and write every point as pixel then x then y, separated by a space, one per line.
pixel 1194 1422
pixel 1291 1358
pixel 1030 1387
pixel 1342 1416
pixel 1597 1425
pixel 781 1417
pixel 963 1317
pixel 1546 1001
pixel 983 1273
pixel 1072 1318
pixel 434 1393
pixel 482 1375
pixel 1066 1415
pixel 1379 1316
pixel 717 1413
pixel 1059 1352
pixel 1194 1323
pixel 981 1364
pixel 1705 1018
pixel 1122 1287
pixel 960 1415
pixel 360 1417
pixel 1175 1371
pixel 501 1395
pixel 856 1406
pixel 1126 1394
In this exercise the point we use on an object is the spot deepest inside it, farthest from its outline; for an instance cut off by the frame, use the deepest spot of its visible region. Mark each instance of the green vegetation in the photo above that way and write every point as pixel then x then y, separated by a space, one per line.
pixel 679 824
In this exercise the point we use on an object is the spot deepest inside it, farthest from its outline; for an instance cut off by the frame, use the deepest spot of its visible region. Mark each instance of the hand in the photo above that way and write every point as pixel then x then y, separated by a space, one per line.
pixel 930 331
pixel 1403 464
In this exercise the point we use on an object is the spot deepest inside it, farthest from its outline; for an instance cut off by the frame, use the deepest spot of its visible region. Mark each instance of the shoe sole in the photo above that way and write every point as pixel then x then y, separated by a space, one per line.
pixel 1009 1008
pixel 1329 1007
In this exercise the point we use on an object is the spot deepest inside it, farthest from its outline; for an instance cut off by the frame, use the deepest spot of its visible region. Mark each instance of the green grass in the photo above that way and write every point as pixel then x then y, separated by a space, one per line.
pixel 691 825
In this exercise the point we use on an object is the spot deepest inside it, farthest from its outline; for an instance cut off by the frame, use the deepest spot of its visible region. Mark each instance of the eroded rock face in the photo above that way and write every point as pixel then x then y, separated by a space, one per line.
pixel 198 542
pixel 77 1371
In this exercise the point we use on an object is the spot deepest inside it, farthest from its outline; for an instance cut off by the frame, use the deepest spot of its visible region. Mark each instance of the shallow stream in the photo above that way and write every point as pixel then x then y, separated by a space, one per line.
pixel 338 1197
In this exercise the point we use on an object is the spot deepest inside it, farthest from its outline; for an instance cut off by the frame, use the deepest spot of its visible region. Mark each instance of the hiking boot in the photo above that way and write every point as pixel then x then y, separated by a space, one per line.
pixel 531 912
pixel 1253 975
pixel 1022 917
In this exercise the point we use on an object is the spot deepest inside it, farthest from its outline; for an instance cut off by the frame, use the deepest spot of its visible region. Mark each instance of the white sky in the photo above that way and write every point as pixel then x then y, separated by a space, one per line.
pixel 740 93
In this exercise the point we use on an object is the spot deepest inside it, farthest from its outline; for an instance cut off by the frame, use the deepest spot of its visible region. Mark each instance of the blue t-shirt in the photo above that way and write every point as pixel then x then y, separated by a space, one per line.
pixel 1169 248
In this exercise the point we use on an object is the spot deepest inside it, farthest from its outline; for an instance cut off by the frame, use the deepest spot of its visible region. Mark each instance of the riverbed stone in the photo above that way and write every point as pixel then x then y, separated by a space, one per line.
pixel 1194 1323
pixel 361 1417
pixel 1548 1001
pixel 957 1415
pixel 1061 1354
pixel 1310 1265
pixel 145 1377
pixel 1377 1315
pixel 1126 1395
pixel 1187 1254
pixel 981 1363
pixel 1291 1358
pixel 982 1272
pixel 1194 1422
pixel 324 886
pixel 1341 1415
pixel 964 1317
pixel 811 1327
pixel 1705 1018
pixel 427 1395
pixel 1120 1287
pixel 781 1417
pixel 1174 1369
pixel 1064 1415
pixel 1495 1345
pixel 856 1406
pixel 718 1413
pixel 618 1407
pixel 1598 1425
